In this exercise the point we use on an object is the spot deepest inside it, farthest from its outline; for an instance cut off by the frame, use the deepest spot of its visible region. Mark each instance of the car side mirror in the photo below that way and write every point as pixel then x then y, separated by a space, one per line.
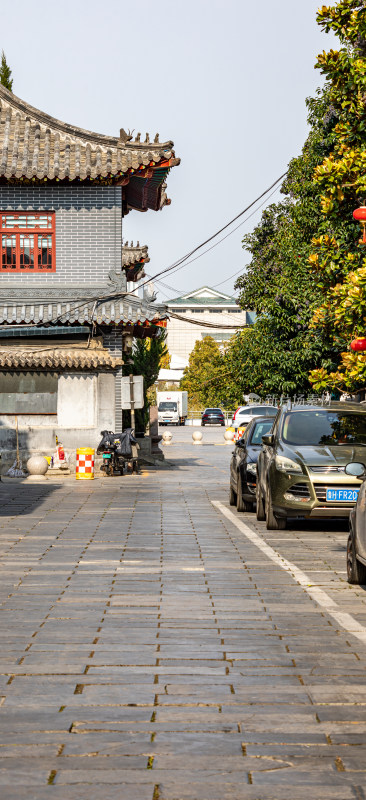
pixel 356 469
pixel 268 439
pixel 240 443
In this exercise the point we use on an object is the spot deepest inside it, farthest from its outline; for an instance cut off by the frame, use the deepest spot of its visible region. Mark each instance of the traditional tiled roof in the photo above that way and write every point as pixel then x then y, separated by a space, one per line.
pixel 35 146
pixel 134 258
pixel 69 356
pixel 133 254
pixel 129 310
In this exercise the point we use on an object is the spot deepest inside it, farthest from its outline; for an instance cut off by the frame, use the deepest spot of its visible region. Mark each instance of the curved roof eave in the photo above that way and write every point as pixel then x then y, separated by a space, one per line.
pixel 35 145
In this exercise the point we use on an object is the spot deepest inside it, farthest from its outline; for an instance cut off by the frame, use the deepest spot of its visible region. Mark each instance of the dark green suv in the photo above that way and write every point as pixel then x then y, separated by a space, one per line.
pixel 301 468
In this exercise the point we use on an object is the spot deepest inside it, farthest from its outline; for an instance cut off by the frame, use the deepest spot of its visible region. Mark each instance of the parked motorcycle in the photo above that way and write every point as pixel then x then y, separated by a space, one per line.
pixel 117 452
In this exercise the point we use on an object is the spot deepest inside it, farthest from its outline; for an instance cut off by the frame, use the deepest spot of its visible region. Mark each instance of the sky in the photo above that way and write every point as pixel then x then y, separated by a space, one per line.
pixel 226 80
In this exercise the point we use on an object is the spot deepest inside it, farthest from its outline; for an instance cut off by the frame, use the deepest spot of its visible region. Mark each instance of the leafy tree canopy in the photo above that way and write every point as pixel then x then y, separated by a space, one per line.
pixel 338 261
pixel 5 73
pixel 146 361
pixel 279 349
pixel 209 378
pixel 306 275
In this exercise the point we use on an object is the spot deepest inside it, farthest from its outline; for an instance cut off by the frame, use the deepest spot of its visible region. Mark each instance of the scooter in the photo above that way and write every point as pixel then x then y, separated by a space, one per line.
pixel 116 449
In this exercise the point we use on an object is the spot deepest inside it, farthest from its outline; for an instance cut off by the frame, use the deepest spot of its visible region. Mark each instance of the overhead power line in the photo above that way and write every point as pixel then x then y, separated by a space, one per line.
pixel 205 324
pixel 183 261
pixel 151 277
pixel 223 239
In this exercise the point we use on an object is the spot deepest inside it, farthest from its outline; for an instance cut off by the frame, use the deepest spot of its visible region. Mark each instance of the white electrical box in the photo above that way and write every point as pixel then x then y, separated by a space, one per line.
pixel 132 390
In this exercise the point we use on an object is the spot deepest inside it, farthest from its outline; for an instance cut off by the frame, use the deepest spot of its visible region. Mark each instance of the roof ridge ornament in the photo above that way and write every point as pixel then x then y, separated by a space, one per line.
pixel 35 147
pixel 125 137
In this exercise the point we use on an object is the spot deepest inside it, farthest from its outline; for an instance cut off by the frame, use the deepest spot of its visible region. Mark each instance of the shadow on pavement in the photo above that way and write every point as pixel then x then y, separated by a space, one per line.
pixel 17 499
pixel 330 525
pixel 177 463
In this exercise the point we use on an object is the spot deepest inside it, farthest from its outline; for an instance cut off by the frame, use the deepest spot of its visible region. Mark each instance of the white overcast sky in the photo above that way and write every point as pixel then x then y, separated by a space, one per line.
pixel 225 79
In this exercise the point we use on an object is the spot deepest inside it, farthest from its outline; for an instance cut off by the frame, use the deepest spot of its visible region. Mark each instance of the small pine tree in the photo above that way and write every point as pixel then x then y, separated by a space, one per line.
pixel 5 73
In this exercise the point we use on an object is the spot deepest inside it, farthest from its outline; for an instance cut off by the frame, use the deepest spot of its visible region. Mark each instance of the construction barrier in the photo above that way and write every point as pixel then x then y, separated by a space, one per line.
pixel 85 463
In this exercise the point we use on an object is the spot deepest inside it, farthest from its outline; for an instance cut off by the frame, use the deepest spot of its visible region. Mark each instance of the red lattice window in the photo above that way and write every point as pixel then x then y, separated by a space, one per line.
pixel 27 241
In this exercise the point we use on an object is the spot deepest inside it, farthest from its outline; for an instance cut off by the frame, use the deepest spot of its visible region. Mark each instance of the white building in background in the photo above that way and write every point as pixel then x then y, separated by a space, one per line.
pixel 201 306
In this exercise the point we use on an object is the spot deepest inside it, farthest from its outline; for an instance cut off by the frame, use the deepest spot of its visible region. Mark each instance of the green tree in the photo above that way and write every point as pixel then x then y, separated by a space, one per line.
pixel 338 261
pixel 208 379
pixel 146 360
pixel 5 73
pixel 278 351
pixel 307 276
pixel 199 378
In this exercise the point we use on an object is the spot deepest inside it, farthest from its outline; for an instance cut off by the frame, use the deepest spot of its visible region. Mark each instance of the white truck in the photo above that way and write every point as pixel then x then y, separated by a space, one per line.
pixel 172 408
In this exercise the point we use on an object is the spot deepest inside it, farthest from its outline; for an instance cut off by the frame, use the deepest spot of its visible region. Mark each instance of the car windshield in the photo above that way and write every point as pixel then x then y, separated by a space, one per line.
pixel 324 427
pixel 260 430
pixel 167 407
pixel 263 411
pixel 213 411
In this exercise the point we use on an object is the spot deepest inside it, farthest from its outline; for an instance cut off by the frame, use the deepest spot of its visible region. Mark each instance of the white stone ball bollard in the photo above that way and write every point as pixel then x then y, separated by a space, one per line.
pixel 37 467
pixel 167 437
pixel 229 437
pixel 197 437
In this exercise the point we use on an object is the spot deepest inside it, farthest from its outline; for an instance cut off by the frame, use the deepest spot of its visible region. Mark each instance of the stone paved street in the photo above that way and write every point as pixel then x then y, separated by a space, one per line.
pixel 150 650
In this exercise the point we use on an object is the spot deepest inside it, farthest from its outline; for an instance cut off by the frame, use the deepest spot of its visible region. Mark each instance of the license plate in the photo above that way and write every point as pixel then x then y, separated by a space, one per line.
pixel 107 455
pixel 342 495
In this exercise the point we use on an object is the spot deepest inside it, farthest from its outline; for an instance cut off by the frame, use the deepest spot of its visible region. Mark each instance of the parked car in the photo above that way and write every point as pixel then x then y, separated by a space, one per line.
pixel 235 413
pixel 245 414
pixel 301 470
pixel 356 545
pixel 243 466
pixel 212 416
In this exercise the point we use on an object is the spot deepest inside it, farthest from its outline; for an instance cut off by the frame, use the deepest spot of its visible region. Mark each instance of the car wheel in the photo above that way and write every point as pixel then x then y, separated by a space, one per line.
pixel 273 523
pixel 241 504
pixel 356 572
pixel 232 496
pixel 260 512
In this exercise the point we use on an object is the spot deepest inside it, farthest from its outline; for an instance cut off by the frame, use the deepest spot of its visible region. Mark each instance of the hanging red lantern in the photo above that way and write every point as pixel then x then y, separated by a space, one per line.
pixel 360 215
pixel 358 344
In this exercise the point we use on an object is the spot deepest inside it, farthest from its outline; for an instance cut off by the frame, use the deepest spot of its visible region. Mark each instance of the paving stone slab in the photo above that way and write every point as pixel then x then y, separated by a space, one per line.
pixel 177 663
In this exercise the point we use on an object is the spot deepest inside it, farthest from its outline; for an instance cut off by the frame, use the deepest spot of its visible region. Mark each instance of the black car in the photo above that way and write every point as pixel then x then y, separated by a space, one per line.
pixel 301 469
pixel 243 466
pixel 356 545
pixel 212 416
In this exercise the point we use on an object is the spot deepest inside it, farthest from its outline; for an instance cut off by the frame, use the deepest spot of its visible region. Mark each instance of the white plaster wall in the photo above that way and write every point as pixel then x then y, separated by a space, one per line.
pixel 76 401
pixel 106 406
pixel 182 336
pixel 25 421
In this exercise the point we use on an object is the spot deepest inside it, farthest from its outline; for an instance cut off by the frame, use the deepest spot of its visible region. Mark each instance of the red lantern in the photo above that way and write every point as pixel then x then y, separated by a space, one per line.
pixel 360 215
pixel 358 344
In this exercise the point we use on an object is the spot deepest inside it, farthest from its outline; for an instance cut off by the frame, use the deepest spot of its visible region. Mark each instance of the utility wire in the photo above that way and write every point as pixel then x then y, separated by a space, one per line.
pixel 185 264
pixel 84 302
pixel 205 324
pixel 183 261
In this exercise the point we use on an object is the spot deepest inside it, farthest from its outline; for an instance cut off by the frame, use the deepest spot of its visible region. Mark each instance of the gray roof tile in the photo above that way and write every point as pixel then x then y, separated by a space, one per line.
pixel 36 145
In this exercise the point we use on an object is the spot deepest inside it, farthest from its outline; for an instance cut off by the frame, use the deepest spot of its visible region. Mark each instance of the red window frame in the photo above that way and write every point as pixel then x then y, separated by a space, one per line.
pixel 27 241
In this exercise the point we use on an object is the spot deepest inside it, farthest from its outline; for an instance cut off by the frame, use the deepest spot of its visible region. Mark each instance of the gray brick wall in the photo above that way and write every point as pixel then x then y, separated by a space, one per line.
pixel 88 232
pixel 113 342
